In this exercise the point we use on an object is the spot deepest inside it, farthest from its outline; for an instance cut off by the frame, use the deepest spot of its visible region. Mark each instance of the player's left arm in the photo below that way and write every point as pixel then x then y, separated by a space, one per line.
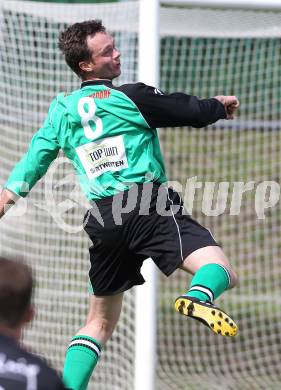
pixel 179 109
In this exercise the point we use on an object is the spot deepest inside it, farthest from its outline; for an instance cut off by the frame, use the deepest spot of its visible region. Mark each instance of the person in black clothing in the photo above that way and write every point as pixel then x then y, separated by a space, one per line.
pixel 19 369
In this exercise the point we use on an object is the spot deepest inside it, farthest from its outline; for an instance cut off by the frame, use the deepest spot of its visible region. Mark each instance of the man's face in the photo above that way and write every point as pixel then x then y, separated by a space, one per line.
pixel 105 59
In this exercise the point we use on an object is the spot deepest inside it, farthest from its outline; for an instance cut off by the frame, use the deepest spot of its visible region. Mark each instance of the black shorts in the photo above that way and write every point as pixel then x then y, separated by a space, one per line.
pixel 149 220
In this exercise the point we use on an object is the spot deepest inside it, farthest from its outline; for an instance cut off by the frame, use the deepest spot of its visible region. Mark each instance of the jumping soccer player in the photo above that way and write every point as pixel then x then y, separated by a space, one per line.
pixel 109 134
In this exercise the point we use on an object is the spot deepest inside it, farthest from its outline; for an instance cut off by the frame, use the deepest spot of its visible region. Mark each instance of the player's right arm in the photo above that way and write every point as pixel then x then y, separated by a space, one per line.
pixel 42 150
pixel 7 199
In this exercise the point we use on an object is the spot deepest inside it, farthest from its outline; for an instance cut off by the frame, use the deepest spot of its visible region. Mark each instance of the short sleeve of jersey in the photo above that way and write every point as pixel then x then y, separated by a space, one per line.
pixel 43 149
pixel 161 109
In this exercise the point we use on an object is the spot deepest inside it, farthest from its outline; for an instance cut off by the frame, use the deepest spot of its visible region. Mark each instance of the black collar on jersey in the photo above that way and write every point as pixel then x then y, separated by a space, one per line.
pixel 106 82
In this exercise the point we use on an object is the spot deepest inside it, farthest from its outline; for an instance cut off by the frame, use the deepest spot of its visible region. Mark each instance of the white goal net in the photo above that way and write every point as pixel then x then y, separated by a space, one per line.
pixel 234 164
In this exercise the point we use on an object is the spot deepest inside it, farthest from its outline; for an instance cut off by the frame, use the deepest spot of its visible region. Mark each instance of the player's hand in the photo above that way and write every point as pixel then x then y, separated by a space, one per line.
pixel 7 198
pixel 231 104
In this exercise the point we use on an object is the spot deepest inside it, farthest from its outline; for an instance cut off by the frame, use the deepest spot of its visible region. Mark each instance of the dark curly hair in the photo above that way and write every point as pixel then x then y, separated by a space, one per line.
pixel 73 43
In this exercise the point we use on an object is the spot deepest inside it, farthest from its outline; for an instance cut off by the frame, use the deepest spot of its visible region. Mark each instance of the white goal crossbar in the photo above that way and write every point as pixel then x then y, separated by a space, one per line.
pixel 241 4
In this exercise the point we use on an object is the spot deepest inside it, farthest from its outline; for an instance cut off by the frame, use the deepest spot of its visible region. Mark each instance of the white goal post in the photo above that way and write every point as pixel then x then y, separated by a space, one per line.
pixel 146 299
pixel 203 47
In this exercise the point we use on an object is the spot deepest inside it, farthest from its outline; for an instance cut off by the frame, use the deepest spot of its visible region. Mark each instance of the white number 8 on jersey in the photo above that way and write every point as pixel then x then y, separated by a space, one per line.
pixel 87 116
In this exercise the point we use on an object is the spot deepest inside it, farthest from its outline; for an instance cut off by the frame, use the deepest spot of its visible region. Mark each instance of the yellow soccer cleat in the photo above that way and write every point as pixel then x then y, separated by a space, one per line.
pixel 208 314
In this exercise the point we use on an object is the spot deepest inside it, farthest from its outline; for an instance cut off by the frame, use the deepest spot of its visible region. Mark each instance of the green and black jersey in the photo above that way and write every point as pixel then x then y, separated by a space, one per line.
pixel 109 134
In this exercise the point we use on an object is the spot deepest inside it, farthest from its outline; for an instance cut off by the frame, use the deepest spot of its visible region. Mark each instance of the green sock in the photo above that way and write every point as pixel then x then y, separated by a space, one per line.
pixel 209 282
pixel 81 358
